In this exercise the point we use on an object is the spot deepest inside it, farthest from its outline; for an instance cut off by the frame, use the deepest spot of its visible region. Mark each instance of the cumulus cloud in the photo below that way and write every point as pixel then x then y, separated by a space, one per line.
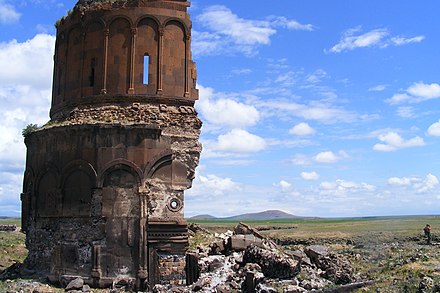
pixel 425 91
pixel 8 14
pixel 241 35
pixel 343 187
pixel 302 129
pixel 416 93
pixel 236 142
pixel 225 112
pixel 25 94
pixel 420 185
pixel 208 185
pixel 283 185
pixel 392 141
pixel 434 129
pixel 29 63
pixel 396 181
pixel 310 175
pixel 330 157
pixel 354 38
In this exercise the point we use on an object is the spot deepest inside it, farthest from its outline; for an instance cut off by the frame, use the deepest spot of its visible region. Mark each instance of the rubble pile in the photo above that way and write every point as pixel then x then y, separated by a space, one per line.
pixel 244 261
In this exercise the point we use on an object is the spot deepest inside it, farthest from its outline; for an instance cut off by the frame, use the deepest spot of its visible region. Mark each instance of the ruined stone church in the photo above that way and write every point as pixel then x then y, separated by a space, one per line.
pixel 104 184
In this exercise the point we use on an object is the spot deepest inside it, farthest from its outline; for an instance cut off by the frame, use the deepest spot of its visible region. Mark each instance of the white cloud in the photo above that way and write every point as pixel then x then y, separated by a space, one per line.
pixel 416 93
pixel 378 88
pixel 209 185
pixel 398 99
pixel 310 175
pixel 353 39
pixel 291 24
pixel 405 112
pixel 425 91
pixel 399 41
pixel 8 14
pixel 350 41
pixel 225 112
pixel 301 160
pixel 396 181
pixel 302 129
pixel 227 29
pixel 322 112
pixel 392 141
pixel 283 185
pixel 240 141
pixel 343 188
pixel 420 185
pixel 430 183
pixel 434 129
pixel 316 76
pixel 28 63
pixel 330 157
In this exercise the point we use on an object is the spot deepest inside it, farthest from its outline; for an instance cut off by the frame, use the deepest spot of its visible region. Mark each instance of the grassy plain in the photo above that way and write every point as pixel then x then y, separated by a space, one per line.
pixel 389 250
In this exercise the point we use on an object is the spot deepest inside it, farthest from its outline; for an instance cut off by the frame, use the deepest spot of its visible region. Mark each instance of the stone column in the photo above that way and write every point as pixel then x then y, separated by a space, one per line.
pixel 160 62
pixel 105 63
pixel 187 57
pixel 142 274
pixel 133 58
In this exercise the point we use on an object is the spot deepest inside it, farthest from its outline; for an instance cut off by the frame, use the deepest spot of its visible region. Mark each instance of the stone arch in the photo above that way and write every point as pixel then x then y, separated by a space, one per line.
pixel 147 44
pixel 47 193
pixel 174 59
pixel 119 164
pixel 77 185
pixel 119 51
pixel 93 58
pixel 169 170
pixel 121 210
pixel 174 19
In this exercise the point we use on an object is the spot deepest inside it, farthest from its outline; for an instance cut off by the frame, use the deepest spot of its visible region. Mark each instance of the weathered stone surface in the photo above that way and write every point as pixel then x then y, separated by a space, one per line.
pixel 244 229
pixel 335 268
pixel 274 264
pixel 241 242
pixel 76 284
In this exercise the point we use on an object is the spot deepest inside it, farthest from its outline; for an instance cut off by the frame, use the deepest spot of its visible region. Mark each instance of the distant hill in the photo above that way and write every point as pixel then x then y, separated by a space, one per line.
pixel 261 216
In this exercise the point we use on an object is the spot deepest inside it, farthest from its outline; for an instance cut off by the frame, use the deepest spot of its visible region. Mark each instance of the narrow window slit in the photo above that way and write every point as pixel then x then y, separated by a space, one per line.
pixel 145 73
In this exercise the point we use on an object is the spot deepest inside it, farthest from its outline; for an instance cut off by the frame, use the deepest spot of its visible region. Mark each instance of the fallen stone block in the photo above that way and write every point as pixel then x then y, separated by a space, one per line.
pixel 274 264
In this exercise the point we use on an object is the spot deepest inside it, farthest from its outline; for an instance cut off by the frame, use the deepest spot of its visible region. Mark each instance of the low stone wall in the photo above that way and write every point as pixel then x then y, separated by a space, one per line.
pixel 172 269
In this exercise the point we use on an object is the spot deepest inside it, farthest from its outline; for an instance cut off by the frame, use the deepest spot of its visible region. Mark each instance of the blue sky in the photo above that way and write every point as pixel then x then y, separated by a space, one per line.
pixel 317 108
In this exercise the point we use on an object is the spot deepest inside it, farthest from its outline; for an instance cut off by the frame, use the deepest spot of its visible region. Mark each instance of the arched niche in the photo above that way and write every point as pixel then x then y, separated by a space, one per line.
pixel 169 171
pixel 93 59
pixel 59 74
pixel 119 48
pixel 77 194
pixel 121 209
pixel 174 59
pixel 73 67
pixel 146 59
pixel 47 195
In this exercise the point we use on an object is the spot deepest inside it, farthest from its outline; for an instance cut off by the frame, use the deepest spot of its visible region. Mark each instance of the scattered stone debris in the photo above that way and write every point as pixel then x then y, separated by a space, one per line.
pixel 8 228
pixel 243 260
